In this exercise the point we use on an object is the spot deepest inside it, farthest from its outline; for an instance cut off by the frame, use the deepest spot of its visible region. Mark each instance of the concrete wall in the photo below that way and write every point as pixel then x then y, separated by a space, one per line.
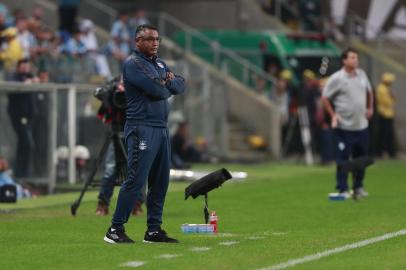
pixel 257 114
pixel 254 112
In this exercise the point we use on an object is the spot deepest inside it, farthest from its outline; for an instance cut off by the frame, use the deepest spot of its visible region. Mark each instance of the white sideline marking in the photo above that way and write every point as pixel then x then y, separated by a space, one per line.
pixel 228 243
pixel 200 249
pixel 132 264
pixel 226 234
pixel 168 256
pixel 274 233
pixel 329 252
pixel 254 237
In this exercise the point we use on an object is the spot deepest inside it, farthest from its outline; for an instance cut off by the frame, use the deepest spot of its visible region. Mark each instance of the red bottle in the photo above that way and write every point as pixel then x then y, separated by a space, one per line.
pixel 213 221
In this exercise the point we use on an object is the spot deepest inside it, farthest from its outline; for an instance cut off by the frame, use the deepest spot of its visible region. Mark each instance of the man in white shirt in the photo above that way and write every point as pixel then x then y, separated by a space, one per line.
pixel 348 99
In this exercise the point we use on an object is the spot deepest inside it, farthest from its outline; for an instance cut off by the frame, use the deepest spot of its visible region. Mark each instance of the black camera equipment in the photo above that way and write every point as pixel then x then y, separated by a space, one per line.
pixel 111 111
pixel 204 185
pixel 109 95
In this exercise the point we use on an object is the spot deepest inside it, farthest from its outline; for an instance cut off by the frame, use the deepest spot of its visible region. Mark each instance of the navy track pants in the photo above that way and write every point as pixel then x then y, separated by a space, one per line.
pixel 148 151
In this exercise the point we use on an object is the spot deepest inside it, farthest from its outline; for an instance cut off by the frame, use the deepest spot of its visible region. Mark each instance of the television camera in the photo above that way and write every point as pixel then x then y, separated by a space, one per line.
pixel 112 110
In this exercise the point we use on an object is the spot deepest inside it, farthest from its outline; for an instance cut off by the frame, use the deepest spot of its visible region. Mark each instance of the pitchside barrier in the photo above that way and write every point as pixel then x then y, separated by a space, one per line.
pixel 62 115
pixel 65 115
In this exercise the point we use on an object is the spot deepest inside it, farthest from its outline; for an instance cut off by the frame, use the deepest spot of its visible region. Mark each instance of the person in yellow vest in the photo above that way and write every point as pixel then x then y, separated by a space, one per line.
pixel 12 53
pixel 385 103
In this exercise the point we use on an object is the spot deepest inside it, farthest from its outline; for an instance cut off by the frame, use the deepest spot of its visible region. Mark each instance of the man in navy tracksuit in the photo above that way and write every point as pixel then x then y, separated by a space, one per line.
pixel 148 84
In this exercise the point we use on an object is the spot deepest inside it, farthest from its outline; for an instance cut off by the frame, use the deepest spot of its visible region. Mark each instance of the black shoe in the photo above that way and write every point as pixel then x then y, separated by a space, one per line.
pixel 117 236
pixel 159 236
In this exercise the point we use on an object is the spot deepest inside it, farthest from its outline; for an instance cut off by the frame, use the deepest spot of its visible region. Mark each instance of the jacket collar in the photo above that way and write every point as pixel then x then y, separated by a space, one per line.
pixel 140 54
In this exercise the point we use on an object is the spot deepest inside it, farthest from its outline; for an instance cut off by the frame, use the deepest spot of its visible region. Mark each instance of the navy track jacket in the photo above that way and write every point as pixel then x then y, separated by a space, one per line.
pixel 147 90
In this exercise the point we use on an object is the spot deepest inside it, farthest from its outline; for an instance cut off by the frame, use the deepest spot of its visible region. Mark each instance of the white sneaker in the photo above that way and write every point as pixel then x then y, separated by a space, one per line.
pixel 335 196
pixel 345 194
pixel 361 192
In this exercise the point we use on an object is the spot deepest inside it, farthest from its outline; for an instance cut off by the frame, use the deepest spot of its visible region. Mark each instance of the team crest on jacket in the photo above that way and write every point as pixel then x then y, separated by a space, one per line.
pixel 143 145
pixel 160 65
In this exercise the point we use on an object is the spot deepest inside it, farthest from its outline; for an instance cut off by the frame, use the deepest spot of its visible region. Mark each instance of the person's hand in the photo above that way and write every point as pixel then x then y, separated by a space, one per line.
pixel 370 112
pixel 334 120
pixel 120 87
pixel 170 76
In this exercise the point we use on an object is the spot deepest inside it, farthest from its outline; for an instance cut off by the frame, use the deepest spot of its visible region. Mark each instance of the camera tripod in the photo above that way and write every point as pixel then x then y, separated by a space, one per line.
pixel 115 137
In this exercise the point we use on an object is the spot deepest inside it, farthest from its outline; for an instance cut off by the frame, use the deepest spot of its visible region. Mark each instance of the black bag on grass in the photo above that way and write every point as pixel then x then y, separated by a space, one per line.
pixel 8 193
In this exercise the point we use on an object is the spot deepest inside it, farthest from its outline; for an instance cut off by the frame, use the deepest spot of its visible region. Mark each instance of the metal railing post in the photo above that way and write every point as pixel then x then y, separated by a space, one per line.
pixel 72 133
pixel 216 55
pixel 245 75
pixel 188 42
pixel 278 9
pixel 52 149
pixel 110 12
pixel 206 87
pixel 161 24
pixel 350 28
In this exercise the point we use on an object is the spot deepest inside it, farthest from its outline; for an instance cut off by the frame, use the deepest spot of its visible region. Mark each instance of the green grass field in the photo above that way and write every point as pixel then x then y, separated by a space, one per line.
pixel 281 212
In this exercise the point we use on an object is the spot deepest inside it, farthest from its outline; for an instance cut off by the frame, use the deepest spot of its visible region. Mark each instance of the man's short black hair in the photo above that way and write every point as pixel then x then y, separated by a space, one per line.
pixel 144 27
pixel 345 53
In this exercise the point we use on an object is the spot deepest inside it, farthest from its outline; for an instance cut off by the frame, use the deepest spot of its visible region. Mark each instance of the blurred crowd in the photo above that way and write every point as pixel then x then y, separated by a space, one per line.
pixel 73 45
pixel 32 52
pixel 305 15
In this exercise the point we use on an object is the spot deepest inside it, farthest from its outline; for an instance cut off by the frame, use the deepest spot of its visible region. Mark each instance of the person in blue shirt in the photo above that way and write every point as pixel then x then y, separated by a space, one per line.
pixel 75 46
pixel 148 84
pixel 5 179
pixel 119 44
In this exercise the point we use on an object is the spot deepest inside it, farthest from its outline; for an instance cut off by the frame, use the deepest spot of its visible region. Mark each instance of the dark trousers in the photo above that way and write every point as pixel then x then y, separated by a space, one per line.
pixel 109 178
pixel 350 144
pixel 67 18
pixel 148 159
pixel 386 136
pixel 25 146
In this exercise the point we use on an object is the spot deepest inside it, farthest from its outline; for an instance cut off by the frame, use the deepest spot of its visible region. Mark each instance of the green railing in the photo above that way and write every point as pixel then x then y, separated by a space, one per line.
pixel 223 59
